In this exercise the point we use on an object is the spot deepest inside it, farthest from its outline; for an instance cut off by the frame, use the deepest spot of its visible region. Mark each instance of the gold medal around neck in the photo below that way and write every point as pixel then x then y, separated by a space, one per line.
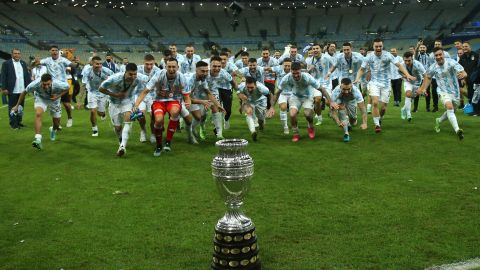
pixel 350 71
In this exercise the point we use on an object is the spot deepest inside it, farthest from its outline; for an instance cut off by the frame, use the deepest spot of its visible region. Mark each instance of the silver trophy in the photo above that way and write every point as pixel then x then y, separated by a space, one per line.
pixel 235 241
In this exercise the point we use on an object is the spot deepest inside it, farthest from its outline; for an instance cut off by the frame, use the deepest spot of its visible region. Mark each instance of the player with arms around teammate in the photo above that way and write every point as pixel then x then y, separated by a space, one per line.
pixel 47 93
pixel 97 101
pixel 121 87
pixel 417 70
pixel 379 85
pixel 301 85
pixel 201 96
pixel 447 73
pixel 169 87
pixel 254 103
pixel 345 98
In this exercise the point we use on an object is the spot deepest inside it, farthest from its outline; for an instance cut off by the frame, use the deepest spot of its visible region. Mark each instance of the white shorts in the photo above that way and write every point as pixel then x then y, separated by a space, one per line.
pixel 259 109
pixel 197 107
pixel 117 111
pixel 408 86
pixel 283 98
pixel 146 104
pixel 96 101
pixel 447 97
pixel 184 112
pixel 54 107
pixel 380 91
pixel 298 103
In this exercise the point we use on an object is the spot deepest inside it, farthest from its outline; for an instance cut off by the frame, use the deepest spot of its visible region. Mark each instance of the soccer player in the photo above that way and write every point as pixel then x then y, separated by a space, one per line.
pixel 446 71
pixel 122 87
pixel 319 66
pixel 291 52
pixel 97 101
pixel 201 96
pixel 148 69
pixel 169 87
pixel 347 63
pixel 190 60
pixel 56 66
pixel 437 44
pixel 173 49
pixel 254 103
pixel 417 70
pixel 379 85
pixel 243 62
pixel 300 84
pixel 253 70
pixel 225 95
pixel 283 96
pixel 426 61
pixel 345 98
pixel 332 52
pixel 47 93
pixel 124 64
pixel 219 81
pixel 269 78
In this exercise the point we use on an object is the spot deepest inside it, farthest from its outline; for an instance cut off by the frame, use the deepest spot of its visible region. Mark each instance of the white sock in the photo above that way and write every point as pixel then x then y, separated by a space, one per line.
pixel 284 119
pixel 408 105
pixel 319 117
pixel 217 121
pixel 38 137
pixel 125 132
pixel 344 120
pixel 444 117
pixel 453 119
pixel 369 107
pixel 251 123
pixel 376 121
pixel 95 128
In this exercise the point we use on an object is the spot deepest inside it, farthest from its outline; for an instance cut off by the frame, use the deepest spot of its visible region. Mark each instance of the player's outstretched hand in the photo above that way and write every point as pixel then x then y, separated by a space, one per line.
pixel 270 112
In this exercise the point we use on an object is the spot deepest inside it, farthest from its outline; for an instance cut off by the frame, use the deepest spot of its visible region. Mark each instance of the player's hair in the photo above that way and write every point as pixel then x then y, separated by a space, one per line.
pixel 252 60
pixel 466 42
pixel 316 44
pixel 148 57
pixel 266 49
pixel 227 50
pixel 224 54
pixel 16 49
pixel 109 54
pixel 201 64
pixel 377 40
pixel 167 53
pixel 296 66
pixel 172 44
pixel 131 67
pixel 293 47
pixel 332 43
pixel 287 60
pixel 437 49
pixel 46 77
pixel 96 58
pixel 53 47
pixel 362 48
pixel 438 40
pixel 408 54
pixel 244 54
pixel 348 44
pixel 458 40
pixel 249 79
pixel 189 45
pixel 170 59
pixel 346 81
pixel 216 58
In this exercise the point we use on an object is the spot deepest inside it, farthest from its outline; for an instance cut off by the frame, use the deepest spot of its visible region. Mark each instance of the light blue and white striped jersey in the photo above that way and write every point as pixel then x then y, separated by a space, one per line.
pixel 180 58
pixel 85 70
pixel 300 88
pixel 198 89
pixel 270 62
pixel 94 79
pixel 189 64
pixel 336 73
pixel 167 89
pixel 425 60
pixel 379 67
pixel 433 61
pixel 280 73
pixel 344 65
pixel 417 70
pixel 141 70
pixel 221 81
pixel 394 72
pixel 257 96
pixel 56 88
pixel 230 67
pixel 319 67
pixel 339 97
pixel 239 63
pixel 116 84
pixel 446 76
pixel 56 68
pixel 257 75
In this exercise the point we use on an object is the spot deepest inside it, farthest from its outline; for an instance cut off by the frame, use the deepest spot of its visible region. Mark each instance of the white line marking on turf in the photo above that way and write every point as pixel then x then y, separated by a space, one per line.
pixel 465 265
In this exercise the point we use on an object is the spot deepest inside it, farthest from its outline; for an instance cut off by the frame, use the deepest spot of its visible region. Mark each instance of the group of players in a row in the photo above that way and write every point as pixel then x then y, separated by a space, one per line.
pixel 188 87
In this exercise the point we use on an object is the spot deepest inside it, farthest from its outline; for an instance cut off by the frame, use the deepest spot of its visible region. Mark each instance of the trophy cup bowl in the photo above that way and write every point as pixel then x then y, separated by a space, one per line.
pixel 235 241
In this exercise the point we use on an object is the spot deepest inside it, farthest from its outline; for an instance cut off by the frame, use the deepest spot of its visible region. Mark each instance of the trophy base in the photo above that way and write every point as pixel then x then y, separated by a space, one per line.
pixel 236 250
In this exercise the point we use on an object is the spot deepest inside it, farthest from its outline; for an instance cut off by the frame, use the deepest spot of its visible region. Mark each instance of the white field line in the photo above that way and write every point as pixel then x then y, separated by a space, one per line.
pixel 465 265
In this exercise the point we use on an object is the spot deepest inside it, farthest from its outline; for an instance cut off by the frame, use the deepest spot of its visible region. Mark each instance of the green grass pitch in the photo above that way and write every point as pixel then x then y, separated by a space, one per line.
pixel 407 198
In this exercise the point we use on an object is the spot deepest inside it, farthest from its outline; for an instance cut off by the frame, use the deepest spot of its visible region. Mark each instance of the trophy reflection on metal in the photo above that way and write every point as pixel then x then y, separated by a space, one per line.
pixel 235 241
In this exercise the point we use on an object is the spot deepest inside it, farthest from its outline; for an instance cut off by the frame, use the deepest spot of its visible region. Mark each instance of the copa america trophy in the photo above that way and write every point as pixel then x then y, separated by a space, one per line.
pixel 235 241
